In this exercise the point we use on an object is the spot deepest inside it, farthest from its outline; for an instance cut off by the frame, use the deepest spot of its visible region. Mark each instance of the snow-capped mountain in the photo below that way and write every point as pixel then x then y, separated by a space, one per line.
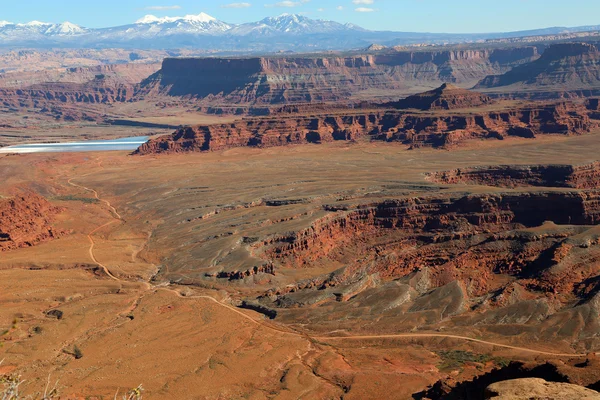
pixel 65 29
pixel 36 31
pixel 192 24
pixel 291 24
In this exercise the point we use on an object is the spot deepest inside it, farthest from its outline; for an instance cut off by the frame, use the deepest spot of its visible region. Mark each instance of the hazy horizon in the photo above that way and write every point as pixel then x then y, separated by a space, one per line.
pixel 463 16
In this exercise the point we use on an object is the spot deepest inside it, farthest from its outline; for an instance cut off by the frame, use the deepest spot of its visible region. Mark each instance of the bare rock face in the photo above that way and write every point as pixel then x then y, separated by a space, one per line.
pixel 25 220
pixel 288 80
pixel 415 130
pixel 446 97
pixel 565 67
pixel 538 389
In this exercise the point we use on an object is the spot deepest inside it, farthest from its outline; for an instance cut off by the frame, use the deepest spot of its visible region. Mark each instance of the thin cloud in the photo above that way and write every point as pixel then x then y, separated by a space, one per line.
pixel 364 9
pixel 363 1
pixel 162 8
pixel 237 5
pixel 288 3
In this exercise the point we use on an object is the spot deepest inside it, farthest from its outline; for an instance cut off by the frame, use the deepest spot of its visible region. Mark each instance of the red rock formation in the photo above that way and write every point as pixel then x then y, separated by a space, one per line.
pixel 279 80
pixel 416 130
pixel 446 97
pixel 25 220
pixel 581 176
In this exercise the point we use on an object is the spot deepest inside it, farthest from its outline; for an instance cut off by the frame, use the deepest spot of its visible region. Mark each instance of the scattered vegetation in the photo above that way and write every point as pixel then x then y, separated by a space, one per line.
pixel 77 353
pixel 133 394
pixel 453 359
pixel 11 388
pixel 89 200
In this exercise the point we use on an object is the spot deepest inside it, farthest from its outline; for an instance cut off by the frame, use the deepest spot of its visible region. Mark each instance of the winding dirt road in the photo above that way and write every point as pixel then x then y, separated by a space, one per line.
pixel 117 218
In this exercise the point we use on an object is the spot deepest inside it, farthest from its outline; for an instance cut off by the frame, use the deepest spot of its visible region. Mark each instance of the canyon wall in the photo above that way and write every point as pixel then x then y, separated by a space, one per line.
pixel 278 80
pixel 415 130
pixel 565 68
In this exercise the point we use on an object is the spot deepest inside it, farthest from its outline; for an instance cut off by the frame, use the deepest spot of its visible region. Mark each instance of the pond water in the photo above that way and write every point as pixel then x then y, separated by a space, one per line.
pixel 130 143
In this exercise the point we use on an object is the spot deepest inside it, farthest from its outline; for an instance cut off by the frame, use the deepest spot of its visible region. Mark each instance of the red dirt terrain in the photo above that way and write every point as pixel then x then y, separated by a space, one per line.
pixel 222 262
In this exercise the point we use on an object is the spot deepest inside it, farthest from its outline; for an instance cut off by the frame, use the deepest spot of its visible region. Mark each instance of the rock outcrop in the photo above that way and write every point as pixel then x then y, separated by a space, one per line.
pixel 446 97
pixel 285 80
pixel 538 389
pixel 25 220
pixel 413 129
pixel 569 176
pixel 563 68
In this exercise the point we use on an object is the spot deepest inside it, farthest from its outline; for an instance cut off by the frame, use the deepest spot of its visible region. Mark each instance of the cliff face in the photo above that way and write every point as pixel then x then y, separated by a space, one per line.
pixel 416 130
pixel 274 80
pixel 25 220
pixel 568 66
pixel 579 176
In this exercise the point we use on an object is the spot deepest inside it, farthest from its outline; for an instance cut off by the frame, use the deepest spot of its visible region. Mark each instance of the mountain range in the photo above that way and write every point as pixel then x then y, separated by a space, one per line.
pixel 287 32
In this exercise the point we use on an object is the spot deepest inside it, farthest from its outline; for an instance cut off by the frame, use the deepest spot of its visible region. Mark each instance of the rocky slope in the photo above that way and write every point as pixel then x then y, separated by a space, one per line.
pixel 507 264
pixel 413 129
pixel 26 220
pixel 564 68
pixel 573 176
pixel 446 97
pixel 278 80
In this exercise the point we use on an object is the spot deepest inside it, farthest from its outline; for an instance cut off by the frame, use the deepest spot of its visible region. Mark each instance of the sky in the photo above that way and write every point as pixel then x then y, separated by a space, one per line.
pixel 448 16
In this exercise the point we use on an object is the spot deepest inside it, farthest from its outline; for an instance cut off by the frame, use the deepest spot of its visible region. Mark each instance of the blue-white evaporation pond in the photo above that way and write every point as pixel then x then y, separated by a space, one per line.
pixel 130 143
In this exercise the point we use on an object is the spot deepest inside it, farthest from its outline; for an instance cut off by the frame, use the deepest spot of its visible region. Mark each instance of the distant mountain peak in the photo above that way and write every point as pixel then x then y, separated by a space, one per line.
pixel 35 23
pixel 152 19
pixel 65 29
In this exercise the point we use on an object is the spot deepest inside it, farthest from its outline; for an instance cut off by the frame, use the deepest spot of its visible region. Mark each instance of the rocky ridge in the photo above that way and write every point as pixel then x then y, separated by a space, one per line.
pixel 446 97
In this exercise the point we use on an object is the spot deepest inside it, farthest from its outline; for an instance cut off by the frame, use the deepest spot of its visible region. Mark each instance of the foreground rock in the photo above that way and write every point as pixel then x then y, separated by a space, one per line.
pixel 25 220
pixel 538 389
